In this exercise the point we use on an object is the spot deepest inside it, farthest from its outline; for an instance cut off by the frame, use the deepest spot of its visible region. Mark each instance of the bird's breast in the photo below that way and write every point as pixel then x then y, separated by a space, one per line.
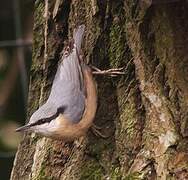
pixel 66 129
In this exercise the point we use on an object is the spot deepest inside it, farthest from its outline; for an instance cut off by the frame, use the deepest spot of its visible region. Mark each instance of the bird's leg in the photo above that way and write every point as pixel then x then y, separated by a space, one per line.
pixel 96 131
pixel 111 72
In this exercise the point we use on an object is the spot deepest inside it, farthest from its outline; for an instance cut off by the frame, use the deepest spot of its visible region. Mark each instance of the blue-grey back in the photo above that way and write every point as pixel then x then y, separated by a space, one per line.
pixel 68 89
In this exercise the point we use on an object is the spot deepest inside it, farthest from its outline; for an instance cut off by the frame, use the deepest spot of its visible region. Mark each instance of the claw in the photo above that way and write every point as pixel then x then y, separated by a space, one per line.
pixel 112 72
pixel 96 131
pixel 96 127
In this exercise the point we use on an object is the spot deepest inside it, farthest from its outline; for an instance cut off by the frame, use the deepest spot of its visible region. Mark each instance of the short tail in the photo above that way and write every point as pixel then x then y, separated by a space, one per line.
pixel 78 36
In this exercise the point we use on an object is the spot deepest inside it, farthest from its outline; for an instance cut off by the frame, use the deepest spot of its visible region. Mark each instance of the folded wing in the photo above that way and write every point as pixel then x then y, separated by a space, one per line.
pixel 67 91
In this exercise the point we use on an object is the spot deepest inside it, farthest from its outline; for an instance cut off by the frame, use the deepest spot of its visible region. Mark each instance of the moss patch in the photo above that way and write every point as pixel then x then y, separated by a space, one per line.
pixel 91 171
pixel 117 37
pixel 116 174
pixel 38 30
pixel 134 176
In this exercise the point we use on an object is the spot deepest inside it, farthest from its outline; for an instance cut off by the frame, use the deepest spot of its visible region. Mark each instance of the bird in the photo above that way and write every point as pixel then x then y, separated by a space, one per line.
pixel 72 103
pixel 71 106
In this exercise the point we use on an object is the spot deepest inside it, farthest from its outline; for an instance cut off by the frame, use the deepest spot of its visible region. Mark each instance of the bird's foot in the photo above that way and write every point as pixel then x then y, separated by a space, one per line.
pixel 110 72
pixel 96 131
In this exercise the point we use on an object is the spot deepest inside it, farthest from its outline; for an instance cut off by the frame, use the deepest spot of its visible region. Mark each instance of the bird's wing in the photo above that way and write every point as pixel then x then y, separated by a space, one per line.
pixel 67 94
pixel 67 89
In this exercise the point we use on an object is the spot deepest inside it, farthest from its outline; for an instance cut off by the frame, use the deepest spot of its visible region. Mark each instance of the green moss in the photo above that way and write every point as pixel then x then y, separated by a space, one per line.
pixel 118 48
pixel 128 118
pixel 42 174
pixel 91 171
pixel 117 44
pixel 116 174
pixel 134 176
pixel 38 29
pixel 96 149
pixel 51 46
pixel 39 12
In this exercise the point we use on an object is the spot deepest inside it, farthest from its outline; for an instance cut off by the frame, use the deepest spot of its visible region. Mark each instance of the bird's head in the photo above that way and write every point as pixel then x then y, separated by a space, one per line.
pixel 42 121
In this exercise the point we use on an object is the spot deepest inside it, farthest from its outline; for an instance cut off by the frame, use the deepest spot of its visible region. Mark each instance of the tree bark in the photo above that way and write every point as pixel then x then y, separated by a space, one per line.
pixel 144 112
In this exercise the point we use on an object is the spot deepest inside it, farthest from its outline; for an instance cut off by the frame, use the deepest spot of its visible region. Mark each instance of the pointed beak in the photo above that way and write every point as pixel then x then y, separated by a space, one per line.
pixel 23 128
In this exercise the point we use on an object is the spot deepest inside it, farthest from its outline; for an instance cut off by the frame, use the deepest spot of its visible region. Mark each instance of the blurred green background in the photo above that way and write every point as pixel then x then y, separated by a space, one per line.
pixel 16 23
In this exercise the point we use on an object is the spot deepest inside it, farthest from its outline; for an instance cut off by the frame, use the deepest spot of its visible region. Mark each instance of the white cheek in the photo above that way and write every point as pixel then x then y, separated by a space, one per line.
pixel 42 128
pixel 52 126
pixel 48 128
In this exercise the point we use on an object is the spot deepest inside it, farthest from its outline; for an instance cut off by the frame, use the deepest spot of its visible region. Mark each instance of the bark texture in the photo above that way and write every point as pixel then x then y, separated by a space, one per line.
pixel 144 112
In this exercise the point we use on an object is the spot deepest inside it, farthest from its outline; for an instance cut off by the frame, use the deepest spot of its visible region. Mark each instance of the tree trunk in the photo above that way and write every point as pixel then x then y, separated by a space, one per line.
pixel 144 112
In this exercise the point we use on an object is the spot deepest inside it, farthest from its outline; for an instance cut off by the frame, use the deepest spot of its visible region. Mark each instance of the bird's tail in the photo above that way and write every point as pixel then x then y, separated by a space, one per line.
pixel 70 70
pixel 78 36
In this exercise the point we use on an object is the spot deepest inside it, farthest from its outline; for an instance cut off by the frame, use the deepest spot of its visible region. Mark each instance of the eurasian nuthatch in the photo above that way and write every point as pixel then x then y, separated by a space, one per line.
pixel 70 109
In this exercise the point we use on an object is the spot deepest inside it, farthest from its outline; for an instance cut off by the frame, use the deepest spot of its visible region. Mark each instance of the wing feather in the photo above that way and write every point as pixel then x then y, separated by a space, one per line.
pixel 68 86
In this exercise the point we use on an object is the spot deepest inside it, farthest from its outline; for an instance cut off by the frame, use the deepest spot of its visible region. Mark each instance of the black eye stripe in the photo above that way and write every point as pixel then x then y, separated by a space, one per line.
pixel 60 110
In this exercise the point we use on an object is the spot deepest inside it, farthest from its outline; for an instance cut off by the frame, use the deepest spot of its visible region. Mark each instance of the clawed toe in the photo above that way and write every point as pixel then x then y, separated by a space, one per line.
pixel 111 72
pixel 96 131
